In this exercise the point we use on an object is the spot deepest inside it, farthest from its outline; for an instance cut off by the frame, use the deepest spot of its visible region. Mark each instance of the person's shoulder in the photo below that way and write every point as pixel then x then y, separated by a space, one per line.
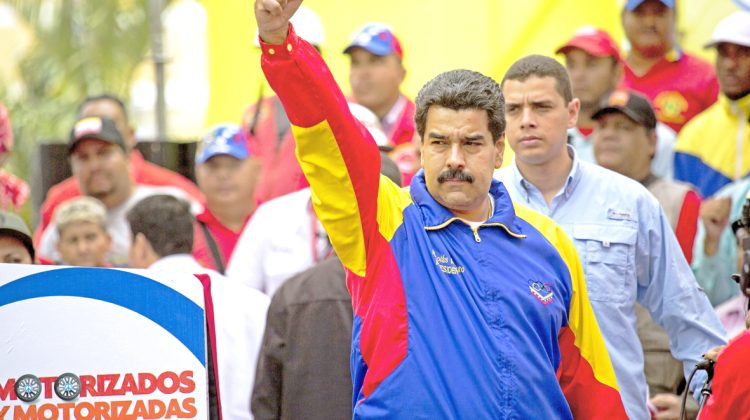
pixel 737 190
pixel 672 184
pixel 544 224
pixel 149 173
pixel 325 281
pixel 504 174
pixel 702 124
pixel 63 190
pixel 238 291
pixel 696 63
pixel 737 350
pixel 608 183
pixel 285 202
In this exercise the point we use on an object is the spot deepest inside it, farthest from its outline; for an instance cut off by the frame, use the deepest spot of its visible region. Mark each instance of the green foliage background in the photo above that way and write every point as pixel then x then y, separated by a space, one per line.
pixel 80 48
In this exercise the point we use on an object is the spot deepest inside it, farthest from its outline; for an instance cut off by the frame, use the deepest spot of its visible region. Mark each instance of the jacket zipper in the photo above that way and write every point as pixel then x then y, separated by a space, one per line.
pixel 740 145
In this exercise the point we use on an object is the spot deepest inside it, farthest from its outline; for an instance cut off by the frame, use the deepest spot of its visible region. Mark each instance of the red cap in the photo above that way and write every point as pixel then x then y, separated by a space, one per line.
pixel 593 41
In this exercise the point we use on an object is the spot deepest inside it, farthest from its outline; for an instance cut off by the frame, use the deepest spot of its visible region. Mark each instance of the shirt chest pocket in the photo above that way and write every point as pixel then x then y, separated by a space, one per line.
pixel 607 254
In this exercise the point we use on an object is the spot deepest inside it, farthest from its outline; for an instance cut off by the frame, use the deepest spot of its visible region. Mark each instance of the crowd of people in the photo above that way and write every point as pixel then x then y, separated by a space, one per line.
pixel 369 256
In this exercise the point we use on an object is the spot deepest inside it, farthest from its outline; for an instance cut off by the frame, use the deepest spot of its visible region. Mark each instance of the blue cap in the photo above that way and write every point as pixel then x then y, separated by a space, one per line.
pixel 378 39
pixel 632 4
pixel 224 139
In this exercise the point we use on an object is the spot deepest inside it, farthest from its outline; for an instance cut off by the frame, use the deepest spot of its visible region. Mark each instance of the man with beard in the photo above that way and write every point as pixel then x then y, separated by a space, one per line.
pixel 678 84
pixel 595 67
pixel 714 150
pixel 100 164
pixel 142 171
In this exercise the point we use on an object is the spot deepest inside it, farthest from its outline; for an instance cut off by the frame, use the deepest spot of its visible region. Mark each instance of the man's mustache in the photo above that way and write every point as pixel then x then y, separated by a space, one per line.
pixel 455 175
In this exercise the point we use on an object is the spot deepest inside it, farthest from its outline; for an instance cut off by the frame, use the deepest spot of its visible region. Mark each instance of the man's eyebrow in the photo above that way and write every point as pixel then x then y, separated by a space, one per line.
pixel 435 135
pixel 545 102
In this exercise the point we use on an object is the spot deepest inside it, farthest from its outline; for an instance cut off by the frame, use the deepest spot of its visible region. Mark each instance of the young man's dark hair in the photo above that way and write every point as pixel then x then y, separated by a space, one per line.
pixel 541 66
pixel 462 89
pixel 166 222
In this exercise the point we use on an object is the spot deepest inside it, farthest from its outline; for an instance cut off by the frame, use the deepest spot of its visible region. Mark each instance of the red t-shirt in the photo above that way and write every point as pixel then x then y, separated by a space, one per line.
pixel 143 172
pixel 731 383
pixel 680 86
pixel 225 238
pixel 405 128
pixel 273 144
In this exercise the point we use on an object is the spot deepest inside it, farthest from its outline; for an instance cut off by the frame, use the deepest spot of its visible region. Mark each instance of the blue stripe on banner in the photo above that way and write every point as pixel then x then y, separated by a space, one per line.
pixel 691 169
pixel 163 305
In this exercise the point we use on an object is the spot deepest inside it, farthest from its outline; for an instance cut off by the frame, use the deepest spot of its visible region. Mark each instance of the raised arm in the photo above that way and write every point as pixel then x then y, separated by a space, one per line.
pixel 338 156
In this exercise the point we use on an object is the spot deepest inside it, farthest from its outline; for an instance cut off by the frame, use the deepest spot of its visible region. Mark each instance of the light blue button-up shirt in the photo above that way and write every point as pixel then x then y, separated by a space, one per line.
pixel 629 254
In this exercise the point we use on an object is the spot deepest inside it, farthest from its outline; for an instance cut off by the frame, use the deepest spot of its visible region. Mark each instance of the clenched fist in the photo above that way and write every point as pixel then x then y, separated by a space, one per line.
pixel 273 17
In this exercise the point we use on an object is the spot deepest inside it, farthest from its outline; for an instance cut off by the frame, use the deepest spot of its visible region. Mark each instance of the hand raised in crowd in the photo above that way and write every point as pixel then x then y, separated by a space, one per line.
pixel 273 17
pixel 714 213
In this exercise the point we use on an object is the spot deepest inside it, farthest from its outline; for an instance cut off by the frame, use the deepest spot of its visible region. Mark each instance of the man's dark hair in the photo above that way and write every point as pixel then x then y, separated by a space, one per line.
pixel 104 97
pixel 165 221
pixel 462 89
pixel 541 66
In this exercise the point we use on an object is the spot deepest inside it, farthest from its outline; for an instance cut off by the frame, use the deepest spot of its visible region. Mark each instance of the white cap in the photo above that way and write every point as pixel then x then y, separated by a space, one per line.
pixel 307 25
pixel 733 29
pixel 372 124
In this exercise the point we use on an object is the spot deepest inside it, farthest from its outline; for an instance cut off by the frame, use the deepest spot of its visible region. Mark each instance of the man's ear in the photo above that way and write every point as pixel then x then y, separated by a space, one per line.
pixel 652 142
pixel 499 151
pixel 141 252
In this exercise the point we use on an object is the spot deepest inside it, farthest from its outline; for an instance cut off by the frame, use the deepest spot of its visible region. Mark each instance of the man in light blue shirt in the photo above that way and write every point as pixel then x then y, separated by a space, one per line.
pixel 628 249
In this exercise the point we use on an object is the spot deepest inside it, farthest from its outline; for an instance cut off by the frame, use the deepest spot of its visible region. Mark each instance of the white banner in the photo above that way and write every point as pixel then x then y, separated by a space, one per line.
pixel 88 343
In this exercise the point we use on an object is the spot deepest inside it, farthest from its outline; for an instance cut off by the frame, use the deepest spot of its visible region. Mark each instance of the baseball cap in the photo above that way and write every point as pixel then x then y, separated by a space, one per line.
pixel 376 38
pixel 99 128
pixel 633 105
pixel 594 41
pixel 224 139
pixel 80 209
pixel 734 29
pixel 630 5
pixel 12 225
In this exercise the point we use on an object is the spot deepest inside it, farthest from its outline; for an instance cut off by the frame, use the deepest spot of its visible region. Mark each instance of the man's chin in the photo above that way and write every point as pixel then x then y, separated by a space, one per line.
pixel 652 50
pixel 98 194
pixel 455 201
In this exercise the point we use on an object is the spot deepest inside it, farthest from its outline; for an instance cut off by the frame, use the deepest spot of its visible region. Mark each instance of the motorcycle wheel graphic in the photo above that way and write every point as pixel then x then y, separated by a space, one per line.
pixel 68 386
pixel 28 388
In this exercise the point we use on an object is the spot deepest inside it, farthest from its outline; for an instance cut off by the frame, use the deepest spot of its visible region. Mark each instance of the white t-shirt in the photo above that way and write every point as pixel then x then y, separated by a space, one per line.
pixel 277 243
pixel 240 319
pixel 117 225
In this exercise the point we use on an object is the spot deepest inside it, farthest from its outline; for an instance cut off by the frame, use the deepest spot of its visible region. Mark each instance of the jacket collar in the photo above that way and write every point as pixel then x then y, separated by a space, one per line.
pixel 734 107
pixel 437 216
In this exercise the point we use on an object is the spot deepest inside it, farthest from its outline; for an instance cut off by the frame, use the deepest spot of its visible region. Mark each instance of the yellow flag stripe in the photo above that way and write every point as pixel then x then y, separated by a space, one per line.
pixel 333 194
pixel 588 339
